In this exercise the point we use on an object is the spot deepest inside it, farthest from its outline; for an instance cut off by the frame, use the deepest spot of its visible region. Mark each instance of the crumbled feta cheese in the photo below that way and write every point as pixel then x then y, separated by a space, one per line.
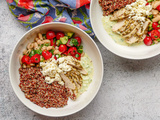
pixel 51 69
pixel 65 67
pixel 139 10
pixel 49 80
pixel 61 59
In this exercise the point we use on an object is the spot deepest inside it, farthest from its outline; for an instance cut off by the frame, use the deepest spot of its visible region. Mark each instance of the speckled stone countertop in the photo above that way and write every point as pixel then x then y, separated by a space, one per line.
pixel 130 89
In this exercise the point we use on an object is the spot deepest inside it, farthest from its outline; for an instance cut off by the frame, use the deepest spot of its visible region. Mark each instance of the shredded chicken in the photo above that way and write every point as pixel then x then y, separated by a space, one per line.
pixel 72 78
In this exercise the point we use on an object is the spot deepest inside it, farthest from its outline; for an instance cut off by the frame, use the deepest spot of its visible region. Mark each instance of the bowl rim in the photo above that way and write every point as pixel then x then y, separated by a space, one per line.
pixel 111 50
pixel 101 77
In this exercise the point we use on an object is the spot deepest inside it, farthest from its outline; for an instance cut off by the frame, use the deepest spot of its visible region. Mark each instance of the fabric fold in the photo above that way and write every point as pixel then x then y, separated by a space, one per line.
pixel 31 13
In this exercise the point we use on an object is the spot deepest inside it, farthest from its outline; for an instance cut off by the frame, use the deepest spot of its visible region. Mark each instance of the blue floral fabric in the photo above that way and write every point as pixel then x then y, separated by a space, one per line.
pixel 31 13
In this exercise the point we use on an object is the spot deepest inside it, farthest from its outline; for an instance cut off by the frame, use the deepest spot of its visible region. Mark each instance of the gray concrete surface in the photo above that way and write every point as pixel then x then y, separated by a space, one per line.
pixel 130 89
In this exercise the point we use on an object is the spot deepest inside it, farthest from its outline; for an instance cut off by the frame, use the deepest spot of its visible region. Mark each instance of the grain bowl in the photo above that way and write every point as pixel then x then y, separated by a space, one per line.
pixel 89 47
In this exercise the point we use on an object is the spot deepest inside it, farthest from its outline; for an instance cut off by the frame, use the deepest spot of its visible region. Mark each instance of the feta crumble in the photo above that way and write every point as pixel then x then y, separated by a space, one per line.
pixel 139 10
pixel 51 68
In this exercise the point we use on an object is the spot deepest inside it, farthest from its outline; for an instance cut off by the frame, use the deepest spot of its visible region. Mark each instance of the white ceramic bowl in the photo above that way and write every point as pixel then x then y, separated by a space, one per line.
pixel 137 52
pixel 89 47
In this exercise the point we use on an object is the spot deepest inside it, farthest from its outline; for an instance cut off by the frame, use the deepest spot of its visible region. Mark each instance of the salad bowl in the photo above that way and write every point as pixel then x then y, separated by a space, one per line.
pixel 89 47
pixel 130 52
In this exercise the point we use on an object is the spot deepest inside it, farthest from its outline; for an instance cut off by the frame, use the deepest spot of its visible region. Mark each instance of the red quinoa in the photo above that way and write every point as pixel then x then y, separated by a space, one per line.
pixel 36 90
pixel 109 6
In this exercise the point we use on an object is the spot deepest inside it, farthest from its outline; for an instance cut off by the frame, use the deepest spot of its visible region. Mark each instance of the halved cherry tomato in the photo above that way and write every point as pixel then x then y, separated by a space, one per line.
pixel 59 35
pixel 158 8
pixel 79 40
pixel 46 54
pixel 68 43
pixel 51 42
pixel 55 57
pixel 155 25
pixel 147 41
pixel 149 33
pixel 50 34
pixel 26 59
pixel 154 34
pixel 65 53
pixel 62 48
pixel 77 56
pixel 72 51
pixel 35 58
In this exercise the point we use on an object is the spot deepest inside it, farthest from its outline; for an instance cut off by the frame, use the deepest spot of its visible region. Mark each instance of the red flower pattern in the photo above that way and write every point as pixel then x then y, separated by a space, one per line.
pixel 47 19
pixel 23 18
pixel 82 27
pixel 63 19
pixel 9 1
pixel 80 3
pixel 87 6
pixel 28 4
pixel 76 21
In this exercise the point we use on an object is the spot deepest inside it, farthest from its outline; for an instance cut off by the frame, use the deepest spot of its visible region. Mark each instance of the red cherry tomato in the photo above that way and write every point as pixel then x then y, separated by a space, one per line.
pixel 26 59
pixel 35 58
pixel 77 56
pixel 149 33
pixel 46 54
pixel 62 48
pixel 51 42
pixel 65 53
pixel 68 43
pixel 59 35
pixel 154 34
pixel 147 4
pixel 158 8
pixel 72 51
pixel 147 41
pixel 79 40
pixel 55 57
pixel 155 25
pixel 50 34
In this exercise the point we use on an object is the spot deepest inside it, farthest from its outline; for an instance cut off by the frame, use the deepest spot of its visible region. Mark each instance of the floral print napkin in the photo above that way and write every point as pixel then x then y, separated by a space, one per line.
pixel 31 13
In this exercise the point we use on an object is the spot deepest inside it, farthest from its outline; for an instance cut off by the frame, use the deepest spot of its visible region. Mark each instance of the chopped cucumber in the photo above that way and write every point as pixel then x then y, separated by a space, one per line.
pixel 41 46
pixel 73 42
pixel 80 47
pixel 54 40
pixel 150 16
pixel 150 1
pixel 31 53
pixel 158 40
pixel 70 34
pixel 64 39
pixel 150 27
pixel 80 50
pixel 47 44
pixel 41 59
pixel 58 56
pixel 52 51
pixel 76 55
pixel 38 52
pixel 58 42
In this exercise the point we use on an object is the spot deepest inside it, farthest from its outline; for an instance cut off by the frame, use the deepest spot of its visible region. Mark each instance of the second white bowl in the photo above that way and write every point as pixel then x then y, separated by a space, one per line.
pixel 130 52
